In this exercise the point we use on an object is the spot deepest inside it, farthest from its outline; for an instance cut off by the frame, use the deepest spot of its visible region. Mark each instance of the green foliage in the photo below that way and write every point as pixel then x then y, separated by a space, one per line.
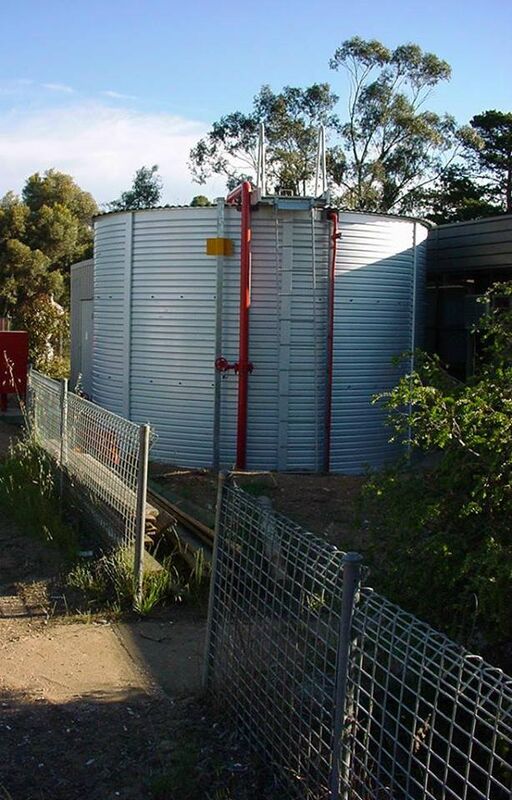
pixel 107 583
pixel 458 197
pixel 480 184
pixel 378 156
pixel 47 323
pixel 146 191
pixel 200 200
pixel 28 493
pixel 448 527
pixel 489 151
pixel 390 145
pixel 41 234
pixel 60 214
pixel 291 118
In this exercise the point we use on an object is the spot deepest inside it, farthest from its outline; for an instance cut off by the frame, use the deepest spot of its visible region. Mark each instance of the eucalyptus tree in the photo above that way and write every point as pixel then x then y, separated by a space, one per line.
pixel 390 144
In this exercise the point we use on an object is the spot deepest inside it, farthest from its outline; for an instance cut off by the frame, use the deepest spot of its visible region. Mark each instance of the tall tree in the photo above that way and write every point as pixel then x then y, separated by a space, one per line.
pixel 59 218
pixel 489 152
pixel 389 144
pixel 456 197
pixel 291 118
pixel 41 234
pixel 146 191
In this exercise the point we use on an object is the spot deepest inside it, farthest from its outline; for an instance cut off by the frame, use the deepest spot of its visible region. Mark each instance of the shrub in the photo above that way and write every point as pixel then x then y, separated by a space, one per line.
pixel 445 543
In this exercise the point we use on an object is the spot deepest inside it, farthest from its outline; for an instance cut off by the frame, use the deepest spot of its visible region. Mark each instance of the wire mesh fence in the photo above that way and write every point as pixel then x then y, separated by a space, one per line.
pixel 425 719
pixel 406 714
pixel 45 410
pixel 98 452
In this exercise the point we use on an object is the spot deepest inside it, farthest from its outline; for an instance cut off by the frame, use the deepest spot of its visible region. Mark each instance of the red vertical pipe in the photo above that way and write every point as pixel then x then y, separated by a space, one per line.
pixel 333 217
pixel 244 193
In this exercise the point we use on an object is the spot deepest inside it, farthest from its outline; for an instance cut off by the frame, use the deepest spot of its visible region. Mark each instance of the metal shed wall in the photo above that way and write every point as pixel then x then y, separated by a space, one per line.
pixel 378 314
pixel 81 288
pixel 478 245
pixel 112 265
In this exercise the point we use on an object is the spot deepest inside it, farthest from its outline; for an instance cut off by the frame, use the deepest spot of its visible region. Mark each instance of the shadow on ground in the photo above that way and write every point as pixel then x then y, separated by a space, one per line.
pixel 99 746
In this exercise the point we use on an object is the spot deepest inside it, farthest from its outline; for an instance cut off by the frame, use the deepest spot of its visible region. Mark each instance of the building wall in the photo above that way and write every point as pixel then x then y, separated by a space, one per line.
pixel 483 245
pixel 82 291
pixel 464 259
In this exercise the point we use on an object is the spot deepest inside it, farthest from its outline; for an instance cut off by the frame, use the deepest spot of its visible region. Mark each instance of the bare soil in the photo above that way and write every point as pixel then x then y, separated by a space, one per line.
pixel 84 708
pixel 327 505
pixel 109 710
pixel 87 709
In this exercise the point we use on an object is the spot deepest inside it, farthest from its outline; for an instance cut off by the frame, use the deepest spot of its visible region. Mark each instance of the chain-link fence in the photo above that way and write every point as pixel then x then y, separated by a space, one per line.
pixel 342 693
pixel 102 456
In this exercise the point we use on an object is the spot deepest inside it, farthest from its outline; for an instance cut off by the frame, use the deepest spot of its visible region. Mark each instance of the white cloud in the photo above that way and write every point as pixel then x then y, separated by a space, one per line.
pixel 101 147
pixel 58 87
pixel 117 95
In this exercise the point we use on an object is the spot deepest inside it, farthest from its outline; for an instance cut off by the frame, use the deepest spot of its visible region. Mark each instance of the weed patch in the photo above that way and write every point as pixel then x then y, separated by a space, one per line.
pixel 106 584
pixel 28 492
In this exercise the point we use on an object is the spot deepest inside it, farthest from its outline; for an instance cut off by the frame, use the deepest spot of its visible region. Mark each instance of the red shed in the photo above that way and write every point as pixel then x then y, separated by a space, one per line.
pixel 13 364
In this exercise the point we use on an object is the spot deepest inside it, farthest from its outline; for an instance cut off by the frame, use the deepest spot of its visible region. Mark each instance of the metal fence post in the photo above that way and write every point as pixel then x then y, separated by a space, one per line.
pixel 29 402
pixel 140 512
pixel 222 478
pixel 340 758
pixel 63 455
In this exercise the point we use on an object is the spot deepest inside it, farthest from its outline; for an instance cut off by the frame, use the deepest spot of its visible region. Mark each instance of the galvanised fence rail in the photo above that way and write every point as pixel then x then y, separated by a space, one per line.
pixel 344 694
pixel 102 458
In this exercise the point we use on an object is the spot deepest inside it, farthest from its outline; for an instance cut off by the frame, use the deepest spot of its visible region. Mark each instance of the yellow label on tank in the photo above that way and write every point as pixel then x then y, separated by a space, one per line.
pixel 219 247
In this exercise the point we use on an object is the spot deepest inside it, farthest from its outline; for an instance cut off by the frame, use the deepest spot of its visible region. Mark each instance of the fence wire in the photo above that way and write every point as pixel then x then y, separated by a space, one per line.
pixel 425 719
pixel 98 451
pixel 272 655
pixel 45 409
pixel 421 717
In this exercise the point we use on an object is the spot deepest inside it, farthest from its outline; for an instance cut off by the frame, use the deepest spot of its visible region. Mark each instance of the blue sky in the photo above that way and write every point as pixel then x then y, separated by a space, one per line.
pixel 100 88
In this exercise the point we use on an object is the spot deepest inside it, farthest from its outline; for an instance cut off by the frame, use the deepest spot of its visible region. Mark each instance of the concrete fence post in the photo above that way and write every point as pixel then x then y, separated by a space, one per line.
pixel 339 783
pixel 222 480
pixel 140 513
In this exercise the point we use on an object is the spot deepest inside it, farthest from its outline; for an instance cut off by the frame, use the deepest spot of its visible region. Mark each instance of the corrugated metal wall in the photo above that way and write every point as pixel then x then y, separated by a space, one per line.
pixel 305 245
pixel 156 303
pixel 379 271
pixel 161 365
pixel 478 245
pixel 173 331
pixel 112 263
pixel 81 288
pixel 286 343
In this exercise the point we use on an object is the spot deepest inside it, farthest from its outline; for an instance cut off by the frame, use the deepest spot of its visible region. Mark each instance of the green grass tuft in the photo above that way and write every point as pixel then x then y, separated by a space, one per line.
pixel 28 492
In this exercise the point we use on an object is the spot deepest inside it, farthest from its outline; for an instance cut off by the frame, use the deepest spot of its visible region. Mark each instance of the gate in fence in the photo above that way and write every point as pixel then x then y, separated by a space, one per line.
pixel 341 692
pixel 102 457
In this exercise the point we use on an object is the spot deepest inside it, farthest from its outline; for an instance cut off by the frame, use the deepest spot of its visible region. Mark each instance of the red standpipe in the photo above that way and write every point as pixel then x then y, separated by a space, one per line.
pixel 243 194
pixel 333 217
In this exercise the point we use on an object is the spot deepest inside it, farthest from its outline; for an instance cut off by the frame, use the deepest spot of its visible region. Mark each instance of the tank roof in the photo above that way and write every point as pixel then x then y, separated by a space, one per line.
pixel 284 202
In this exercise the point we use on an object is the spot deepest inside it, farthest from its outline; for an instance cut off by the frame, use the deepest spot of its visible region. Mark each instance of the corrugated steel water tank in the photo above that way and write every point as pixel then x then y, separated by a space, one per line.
pixel 379 313
pixel 165 310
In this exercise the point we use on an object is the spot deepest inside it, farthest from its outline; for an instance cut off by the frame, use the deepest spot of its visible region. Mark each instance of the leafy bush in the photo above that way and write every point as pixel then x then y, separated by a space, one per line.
pixel 47 324
pixel 444 536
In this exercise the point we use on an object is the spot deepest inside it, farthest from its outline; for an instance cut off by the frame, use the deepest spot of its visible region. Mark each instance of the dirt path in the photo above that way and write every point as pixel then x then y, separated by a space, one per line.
pixel 86 709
